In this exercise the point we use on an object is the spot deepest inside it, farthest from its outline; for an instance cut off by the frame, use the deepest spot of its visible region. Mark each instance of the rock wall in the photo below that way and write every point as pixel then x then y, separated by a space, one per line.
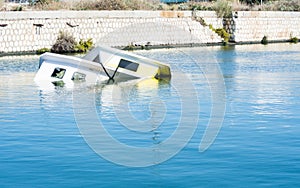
pixel 30 31
pixel 277 26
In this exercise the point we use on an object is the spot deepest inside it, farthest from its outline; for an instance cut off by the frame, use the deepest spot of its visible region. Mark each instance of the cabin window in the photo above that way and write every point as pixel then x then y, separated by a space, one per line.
pixel 78 76
pixel 128 65
pixel 58 73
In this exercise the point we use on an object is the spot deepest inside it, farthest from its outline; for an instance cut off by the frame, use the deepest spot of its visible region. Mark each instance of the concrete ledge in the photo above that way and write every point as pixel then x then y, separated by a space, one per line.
pixel 91 14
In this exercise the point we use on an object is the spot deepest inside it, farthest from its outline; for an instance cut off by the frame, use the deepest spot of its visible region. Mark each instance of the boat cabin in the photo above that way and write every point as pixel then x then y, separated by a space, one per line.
pixel 100 64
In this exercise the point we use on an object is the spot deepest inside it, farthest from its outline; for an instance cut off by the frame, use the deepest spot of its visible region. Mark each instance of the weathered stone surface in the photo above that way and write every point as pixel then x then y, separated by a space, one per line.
pixel 29 31
pixel 253 26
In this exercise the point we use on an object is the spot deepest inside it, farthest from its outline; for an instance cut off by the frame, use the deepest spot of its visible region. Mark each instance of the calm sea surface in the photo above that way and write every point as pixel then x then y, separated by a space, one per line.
pixel 258 144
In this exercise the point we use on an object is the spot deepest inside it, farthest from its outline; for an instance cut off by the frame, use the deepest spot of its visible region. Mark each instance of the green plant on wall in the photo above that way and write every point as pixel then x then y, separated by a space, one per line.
pixel 294 40
pixel 264 40
pixel 66 43
pixel 84 46
pixel 223 9
pixel 42 50
pixel 221 32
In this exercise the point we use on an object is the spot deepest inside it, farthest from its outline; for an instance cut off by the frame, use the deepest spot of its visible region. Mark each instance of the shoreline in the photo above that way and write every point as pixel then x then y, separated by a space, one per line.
pixel 135 48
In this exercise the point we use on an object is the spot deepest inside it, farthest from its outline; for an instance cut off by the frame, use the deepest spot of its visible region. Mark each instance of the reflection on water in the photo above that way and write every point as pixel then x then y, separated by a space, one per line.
pixel 257 146
pixel 138 110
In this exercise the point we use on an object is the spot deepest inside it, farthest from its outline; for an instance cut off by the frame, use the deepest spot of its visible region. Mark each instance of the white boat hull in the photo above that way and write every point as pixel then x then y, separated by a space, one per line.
pixel 99 65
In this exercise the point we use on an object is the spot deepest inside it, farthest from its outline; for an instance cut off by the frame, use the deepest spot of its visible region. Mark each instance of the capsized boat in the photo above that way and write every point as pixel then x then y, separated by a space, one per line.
pixel 100 64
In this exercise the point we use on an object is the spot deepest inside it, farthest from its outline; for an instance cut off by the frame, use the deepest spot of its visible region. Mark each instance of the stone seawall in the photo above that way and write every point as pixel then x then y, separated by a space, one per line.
pixel 277 26
pixel 29 31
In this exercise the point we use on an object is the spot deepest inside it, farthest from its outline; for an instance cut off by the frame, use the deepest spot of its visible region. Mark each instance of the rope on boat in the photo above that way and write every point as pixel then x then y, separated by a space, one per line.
pixel 107 74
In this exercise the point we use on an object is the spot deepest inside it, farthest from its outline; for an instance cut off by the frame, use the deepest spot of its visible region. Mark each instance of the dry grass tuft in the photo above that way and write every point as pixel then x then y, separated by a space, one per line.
pixel 100 5
pixel 282 5
pixel 1 5
pixel 220 6
pixel 97 5
pixel 50 5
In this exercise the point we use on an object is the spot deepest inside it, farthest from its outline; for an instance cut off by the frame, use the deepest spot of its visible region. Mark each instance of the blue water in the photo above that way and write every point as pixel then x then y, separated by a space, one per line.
pixel 258 144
